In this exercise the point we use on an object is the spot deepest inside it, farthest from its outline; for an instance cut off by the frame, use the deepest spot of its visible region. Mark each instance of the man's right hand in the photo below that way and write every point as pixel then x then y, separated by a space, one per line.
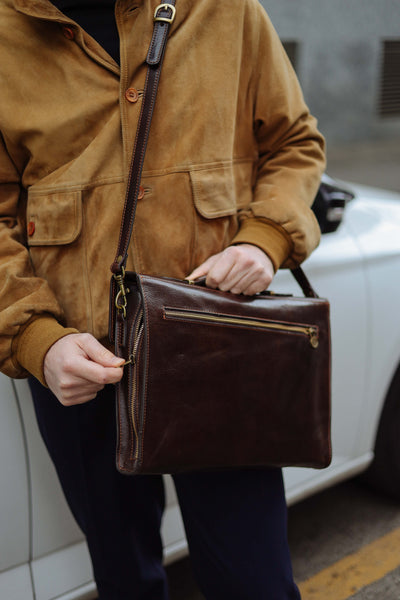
pixel 77 366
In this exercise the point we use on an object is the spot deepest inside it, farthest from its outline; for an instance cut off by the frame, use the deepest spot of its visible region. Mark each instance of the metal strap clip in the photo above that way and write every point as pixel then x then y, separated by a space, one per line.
pixel 168 7
pixel 120 299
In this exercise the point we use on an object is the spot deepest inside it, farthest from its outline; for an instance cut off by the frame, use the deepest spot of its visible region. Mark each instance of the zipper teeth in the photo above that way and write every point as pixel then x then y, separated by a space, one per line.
pixel 133 371
pixel 308 330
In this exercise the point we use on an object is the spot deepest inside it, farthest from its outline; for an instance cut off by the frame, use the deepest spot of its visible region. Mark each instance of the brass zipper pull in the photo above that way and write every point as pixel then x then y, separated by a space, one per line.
pixel 130 361
pixel 313 336
pixel 132 357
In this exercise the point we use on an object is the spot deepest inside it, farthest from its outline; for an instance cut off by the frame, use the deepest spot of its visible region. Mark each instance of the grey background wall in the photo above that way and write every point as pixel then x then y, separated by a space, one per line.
pixel 339 61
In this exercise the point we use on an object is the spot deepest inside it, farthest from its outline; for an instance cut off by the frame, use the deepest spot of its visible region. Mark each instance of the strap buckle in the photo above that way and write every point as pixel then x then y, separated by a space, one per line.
pixel 169 7
pixel 120 300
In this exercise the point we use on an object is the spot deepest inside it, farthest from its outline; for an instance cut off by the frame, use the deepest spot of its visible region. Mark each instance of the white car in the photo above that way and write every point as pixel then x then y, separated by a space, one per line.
pixel 357 267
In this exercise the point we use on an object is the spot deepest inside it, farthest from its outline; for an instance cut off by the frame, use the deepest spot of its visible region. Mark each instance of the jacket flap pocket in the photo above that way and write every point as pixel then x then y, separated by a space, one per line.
pixel 54 218
pixel 214 191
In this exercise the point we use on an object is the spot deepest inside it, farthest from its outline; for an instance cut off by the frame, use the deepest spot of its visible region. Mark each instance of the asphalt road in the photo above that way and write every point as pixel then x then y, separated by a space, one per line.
pixel 348 519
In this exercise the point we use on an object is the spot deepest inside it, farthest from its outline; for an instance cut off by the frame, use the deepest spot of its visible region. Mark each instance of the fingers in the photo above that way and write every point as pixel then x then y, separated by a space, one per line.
pixel 251 273
pixel 204 268
pixel 242 269
pixel 77 366
pixel 97 352
pixel 222 273
pixel 71 391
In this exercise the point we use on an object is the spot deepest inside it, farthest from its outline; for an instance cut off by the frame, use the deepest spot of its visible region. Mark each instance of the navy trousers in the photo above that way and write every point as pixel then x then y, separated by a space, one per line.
pixel 235 521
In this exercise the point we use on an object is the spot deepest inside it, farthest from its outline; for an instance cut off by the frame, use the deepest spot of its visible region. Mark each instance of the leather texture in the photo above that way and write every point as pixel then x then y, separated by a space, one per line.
pixel 210 386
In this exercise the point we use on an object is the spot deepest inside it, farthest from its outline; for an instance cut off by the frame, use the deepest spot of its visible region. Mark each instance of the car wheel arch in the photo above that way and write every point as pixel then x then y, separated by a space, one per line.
pixel 384 471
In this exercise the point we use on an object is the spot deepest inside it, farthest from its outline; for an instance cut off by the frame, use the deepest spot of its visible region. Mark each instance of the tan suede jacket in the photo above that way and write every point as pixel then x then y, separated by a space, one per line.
pixel 234 156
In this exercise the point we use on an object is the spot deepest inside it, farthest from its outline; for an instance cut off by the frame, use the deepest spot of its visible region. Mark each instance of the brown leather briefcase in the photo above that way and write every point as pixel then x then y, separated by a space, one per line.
pixel 221 381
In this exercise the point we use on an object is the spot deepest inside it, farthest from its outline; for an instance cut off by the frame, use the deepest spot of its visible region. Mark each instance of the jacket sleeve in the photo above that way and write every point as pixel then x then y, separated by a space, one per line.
pixel 290 155
pixel 29 313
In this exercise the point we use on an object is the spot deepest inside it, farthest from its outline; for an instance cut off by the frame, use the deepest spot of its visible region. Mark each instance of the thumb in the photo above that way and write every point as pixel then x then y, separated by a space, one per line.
pixel 98 353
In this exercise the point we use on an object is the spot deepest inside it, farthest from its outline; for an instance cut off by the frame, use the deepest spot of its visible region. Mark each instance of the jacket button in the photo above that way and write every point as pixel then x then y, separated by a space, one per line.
pixel 141 193
pixel 31 228
pixel 132 95
pixel 68 32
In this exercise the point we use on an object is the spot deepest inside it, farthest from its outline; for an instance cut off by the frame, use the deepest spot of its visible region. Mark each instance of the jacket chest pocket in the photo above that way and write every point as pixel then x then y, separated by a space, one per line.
pixel 220 192
pixel 55 241
pixel 214 192
pixel 54 219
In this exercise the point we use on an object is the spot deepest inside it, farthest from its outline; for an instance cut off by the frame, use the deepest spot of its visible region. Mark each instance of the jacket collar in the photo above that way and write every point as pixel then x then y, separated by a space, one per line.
pixel 44 9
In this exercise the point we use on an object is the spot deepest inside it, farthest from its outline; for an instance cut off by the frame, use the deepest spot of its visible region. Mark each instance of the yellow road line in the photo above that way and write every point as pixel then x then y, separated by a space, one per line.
pixel 354 572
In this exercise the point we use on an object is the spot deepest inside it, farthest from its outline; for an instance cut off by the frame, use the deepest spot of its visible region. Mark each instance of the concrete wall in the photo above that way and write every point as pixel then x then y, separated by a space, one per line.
pixel 339 61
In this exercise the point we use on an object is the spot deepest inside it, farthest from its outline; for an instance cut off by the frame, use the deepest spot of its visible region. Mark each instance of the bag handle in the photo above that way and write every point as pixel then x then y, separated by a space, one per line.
pixel 164 16
pixel 297 273
pixel 304 283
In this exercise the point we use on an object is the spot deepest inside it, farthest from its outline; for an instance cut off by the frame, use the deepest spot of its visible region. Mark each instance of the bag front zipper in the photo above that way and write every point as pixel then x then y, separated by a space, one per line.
pixel 132 375
pixel 183 314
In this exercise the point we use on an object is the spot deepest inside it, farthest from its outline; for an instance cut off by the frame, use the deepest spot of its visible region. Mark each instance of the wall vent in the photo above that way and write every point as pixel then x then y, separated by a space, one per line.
pixel 389 103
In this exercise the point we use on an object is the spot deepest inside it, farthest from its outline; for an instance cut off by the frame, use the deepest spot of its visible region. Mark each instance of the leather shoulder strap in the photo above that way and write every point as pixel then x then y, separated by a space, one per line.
pixel 303 282
pixel 164 16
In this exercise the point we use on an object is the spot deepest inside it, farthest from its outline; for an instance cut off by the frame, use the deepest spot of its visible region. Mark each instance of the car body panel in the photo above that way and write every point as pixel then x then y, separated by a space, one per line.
pixel 44 508
pixel 16 584
pixel 54 572
pixel 376 228
pixel 14 490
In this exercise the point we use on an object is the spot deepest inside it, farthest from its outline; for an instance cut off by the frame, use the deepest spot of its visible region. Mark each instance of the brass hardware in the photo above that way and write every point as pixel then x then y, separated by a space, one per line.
pixel 309 331
pixel 313 335
pixel 120 299
pixel 131 361
pixel 165 7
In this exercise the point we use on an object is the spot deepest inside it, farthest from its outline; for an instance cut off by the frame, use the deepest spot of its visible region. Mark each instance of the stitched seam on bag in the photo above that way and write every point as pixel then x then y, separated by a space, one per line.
pixel 146 332
pixel 119 421
pixel 136 385
pixel 130 403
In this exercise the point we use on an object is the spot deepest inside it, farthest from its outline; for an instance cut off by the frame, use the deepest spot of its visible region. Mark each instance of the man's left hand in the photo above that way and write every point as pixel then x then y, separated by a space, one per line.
pixel 242 269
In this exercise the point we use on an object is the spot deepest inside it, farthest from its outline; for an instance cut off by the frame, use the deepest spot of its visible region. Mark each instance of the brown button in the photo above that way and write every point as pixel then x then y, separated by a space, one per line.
pixel 69 32
pixel 131 95
pixel 141 192
pixel 31 228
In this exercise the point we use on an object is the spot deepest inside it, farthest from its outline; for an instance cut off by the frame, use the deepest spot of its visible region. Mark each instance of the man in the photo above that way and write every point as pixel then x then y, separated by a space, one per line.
pixel 233 163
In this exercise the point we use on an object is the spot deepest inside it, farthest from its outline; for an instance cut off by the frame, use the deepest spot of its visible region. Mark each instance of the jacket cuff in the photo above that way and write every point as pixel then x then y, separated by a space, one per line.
pixel 268 236
pixel 35 339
